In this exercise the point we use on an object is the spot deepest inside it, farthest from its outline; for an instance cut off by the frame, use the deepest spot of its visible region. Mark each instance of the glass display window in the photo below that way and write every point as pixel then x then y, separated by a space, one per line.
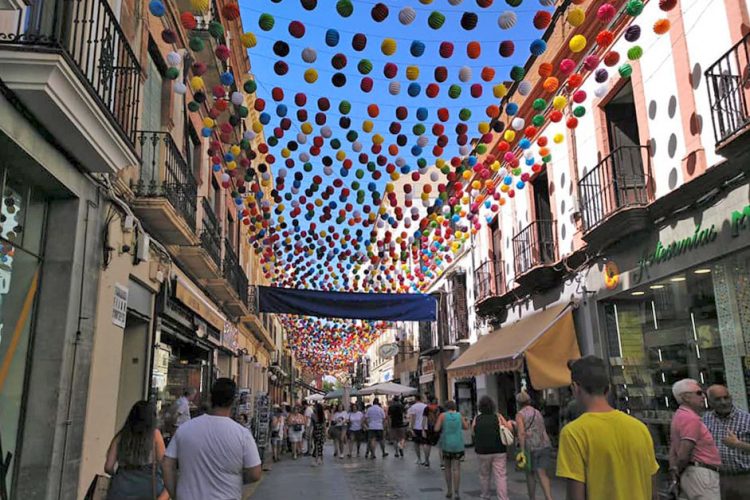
pixel 693 324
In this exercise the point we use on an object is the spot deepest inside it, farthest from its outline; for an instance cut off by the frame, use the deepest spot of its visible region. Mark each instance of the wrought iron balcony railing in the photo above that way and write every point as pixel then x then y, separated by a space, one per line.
pixel 211 233
pixel 164 173
pixel 233 273
pixel 728 79
pixel 535 245
pixel 88 35
pixel 618 181
pixel 489 280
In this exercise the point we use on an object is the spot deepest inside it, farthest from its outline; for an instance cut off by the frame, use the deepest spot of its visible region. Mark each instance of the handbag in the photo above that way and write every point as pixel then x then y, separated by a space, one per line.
pixel 523 461
pixel 98 488
pixel 506 435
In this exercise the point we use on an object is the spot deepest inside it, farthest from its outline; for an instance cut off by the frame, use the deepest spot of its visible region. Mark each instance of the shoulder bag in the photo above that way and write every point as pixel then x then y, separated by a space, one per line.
pixel 506 435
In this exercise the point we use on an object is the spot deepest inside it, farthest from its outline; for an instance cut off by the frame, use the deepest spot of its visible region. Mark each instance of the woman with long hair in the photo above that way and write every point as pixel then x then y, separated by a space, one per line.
pixel 533 439
pixel 134 457
pixel 295 423
pixel 489 446
pixel 355 433
pixel 451 425
pixel 339 420
pixel 319 422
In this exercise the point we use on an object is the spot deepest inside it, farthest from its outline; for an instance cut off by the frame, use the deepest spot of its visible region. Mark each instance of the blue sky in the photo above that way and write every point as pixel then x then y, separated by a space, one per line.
pixel 325 17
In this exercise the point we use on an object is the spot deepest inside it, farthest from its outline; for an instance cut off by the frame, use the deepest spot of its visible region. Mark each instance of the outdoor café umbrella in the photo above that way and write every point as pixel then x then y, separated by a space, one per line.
pixel 388 389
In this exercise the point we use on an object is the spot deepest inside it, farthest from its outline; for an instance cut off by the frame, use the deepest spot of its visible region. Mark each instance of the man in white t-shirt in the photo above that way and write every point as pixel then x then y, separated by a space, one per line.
pixel 375 419
pixel 215 454
pixel 415 415
pixel 308 413
pixel 182 406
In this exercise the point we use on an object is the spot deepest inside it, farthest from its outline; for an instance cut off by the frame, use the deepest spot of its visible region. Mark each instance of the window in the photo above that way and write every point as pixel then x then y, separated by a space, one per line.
pixel 214 195
pixel 459 309
pixel 543 218
pixel 231 230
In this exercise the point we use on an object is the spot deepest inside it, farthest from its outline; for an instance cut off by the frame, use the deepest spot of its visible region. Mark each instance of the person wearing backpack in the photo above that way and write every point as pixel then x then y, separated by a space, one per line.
pixel 534 441
pixel 432 434
pixel 490 445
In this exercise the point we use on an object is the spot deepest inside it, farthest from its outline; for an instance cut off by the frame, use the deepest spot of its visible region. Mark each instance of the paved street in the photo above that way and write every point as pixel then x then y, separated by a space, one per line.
pixel 381 478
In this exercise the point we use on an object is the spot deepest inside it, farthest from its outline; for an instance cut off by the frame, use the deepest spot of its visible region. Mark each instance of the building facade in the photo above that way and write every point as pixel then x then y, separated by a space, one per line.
pixel 125 273
pixel 632 241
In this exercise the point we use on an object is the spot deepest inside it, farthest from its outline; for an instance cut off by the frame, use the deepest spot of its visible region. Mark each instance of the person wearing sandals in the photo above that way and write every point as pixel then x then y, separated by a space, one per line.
pixel 319 423
pixel 295 424
pixel 533 438
pixel 339 421
pixel 490 448
pixel 134 457
pixel 451 425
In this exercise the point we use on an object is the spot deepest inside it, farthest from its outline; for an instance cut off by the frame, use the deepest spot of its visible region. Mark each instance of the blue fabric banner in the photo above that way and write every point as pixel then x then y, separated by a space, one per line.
pixel 348 305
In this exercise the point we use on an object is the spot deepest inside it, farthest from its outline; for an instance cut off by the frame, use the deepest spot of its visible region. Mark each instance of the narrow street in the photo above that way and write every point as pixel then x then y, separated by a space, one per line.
pixel 392 478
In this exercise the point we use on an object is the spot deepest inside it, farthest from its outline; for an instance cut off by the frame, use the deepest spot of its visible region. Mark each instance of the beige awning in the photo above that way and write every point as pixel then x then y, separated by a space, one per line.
pixel 547 339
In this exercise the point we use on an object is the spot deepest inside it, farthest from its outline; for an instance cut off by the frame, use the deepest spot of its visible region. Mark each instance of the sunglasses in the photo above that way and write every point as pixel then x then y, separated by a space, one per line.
pixel 697 393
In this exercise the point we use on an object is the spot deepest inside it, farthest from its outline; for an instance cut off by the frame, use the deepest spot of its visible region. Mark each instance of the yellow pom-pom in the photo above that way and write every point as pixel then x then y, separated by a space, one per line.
pixel 499 90
pixel 306 128
pixel 311 75
pixel 509 135
pixel 199 5
pixel 248 40
pixel 367 126
pixel 196 83
pixel 576 16
pixel 577 43
pixel 559 102
pixel 483 127
pixel 558 138
pixel 388 47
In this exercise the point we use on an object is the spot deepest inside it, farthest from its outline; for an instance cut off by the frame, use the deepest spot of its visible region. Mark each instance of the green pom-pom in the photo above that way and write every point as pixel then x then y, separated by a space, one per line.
pixel 345 107
pixel 215 29
pixel 517 73
pixel 421 162
pixel 345 8
pixel 364 66
pixel 626 70
pixel 335 143
pixel 513 3
pixel 464 114
pixel 272 141
pixel 266 22
pixel 436 20
pixel 481 148
pixel 194 107
pixel 307 167
pixel 250 86
pixel 352 135
pixel 634 7
pixel 579 111
pixel 454 91
pixel 243 111
pixel 537 120
pixel 635 52
pixel 196 44
pixel 539 104
pixel 418 129
pixel 172 73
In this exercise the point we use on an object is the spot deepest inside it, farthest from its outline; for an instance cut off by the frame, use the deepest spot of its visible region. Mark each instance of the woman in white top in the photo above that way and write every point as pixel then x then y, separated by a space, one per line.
pixel 355 432
pixel 338 421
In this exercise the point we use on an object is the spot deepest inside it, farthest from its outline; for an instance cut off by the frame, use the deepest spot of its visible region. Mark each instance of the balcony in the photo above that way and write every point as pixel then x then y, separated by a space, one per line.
pixel 535 255
pixel 490 293
pixel 615 196
pixel 70 64
pixel 203 259
pixel 231 288
pixel 728 82
pixel 166 193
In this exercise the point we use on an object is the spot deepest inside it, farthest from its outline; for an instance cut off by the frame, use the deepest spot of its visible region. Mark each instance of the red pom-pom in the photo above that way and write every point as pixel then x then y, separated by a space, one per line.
pixel 379 12
pixel 277 93
pixel 231 11
pixel 441 74
pixel 300 99
pixel 366 84
pixel 555 116
pixel 484 3
pixel 476 90
pixel 280 67
pixel 390 70
pixel 542 19
pixel 296 29
pixel 473 50
pixel 611 58
pixel 222 52
pixel 432 90
pixel 188 20
pixel 443 114
pixel 338 61
pixel 507 47
pixel 446 49
pixel 571 122
pixel 667 5
pixel 359 42
pixel 402 112
pixel 605 38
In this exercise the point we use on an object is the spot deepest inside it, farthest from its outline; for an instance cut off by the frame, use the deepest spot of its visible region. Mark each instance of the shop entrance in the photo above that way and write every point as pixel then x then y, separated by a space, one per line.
pixel 134 364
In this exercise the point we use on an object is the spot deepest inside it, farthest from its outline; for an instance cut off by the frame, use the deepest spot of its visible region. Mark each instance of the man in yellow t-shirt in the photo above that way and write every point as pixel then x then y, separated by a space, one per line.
pixel 604 454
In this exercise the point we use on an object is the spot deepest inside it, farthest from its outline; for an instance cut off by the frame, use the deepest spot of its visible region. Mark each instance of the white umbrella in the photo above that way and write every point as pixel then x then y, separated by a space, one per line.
pixel 388 389
pixel 315 397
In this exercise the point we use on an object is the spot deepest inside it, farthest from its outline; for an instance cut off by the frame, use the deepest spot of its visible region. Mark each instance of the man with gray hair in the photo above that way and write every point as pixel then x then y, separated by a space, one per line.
pixel 730 427
pixel 694 460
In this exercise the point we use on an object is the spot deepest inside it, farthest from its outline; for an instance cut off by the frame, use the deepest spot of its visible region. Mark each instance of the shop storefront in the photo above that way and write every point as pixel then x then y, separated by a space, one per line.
pixel 185 349
pixel 680 310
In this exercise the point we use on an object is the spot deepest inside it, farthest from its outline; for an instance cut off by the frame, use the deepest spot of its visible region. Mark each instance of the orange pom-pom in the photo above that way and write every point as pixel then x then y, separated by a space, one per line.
pixel 605 38
pixel 545 69
pixel 492 111
pixel 662 26
pixel 488 74
pixel 551 84
pixel 473 50
pixel 373 111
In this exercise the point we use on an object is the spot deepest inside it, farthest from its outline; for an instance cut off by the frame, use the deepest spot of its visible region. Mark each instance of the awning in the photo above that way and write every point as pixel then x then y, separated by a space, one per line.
pixel 547 339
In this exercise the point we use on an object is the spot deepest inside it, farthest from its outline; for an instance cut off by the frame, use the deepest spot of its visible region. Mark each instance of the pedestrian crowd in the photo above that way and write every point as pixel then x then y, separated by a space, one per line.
pixel 603 453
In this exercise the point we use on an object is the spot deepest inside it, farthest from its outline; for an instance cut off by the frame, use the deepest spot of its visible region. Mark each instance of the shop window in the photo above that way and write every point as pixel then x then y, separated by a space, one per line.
pixel 694 324
pixel 22 215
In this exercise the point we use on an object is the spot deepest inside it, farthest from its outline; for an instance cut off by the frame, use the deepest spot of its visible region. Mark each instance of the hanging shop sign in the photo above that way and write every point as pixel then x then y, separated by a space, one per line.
pixel 230 337
pixel 198 306
pixel 428 366
pixel 120 305
pixel 739 221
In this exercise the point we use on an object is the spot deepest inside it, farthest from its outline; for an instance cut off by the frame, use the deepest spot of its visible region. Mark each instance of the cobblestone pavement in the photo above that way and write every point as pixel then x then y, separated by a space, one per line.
pixel 389 478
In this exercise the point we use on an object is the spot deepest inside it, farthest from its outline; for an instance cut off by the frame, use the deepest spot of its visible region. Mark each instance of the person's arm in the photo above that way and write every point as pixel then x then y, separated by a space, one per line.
pixel 169 471
pixel 439 423
pixel 464 422
pixel 521 431
pixel 110 466
pixel 733 441
pixel 159 446
pixel 684 453
pixel 575 490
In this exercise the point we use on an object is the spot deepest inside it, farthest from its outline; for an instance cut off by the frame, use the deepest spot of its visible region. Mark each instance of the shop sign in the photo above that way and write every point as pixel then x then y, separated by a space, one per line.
pixel 427 378
pixel 195 304
pixel 230 337
pixel 738 222
pixel 120 305
pixel 428 366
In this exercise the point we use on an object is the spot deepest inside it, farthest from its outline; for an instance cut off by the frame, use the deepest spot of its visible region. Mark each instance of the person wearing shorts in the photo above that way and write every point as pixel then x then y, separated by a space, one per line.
pixel 295 424
pixel 452 424
pixel 354 432
pixel 533 438
pixel 397 425
pixel 375 420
